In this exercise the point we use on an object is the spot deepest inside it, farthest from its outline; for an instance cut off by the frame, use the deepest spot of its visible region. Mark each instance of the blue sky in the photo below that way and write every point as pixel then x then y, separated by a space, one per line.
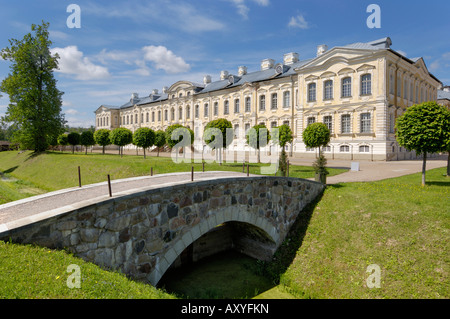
pixel 137 46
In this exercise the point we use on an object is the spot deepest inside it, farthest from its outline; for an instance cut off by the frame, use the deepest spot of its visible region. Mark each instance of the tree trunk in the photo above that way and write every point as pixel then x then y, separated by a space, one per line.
pixel 424 165
pixel 86 150
pixel 103 149
pixel 158 152
pixel 448 164
pixel 144 152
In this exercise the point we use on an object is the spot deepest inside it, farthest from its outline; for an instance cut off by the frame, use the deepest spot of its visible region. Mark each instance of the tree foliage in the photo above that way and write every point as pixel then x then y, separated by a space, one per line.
pixel 73 139
pixel 181 131
pixel 63 140
pixel 87 139
pixel 318 135
pixel 160 139
pixel 35 101
pixel 102 138
pixel 284 136
pixel 121 136
pixel 258 136
pixel 424 128
pixel 215 128
pixel 144 137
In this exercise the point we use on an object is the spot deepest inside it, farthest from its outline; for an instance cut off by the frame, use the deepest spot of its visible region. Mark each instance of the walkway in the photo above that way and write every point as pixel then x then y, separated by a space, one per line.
pixel 33 209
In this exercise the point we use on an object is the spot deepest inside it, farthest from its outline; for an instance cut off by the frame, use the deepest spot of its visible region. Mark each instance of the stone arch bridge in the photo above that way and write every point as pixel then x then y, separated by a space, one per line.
pixel 143 232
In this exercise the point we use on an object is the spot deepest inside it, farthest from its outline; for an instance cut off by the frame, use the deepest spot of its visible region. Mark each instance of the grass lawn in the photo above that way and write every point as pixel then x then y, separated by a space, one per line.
pixel 33 272
pixel 55 170
pixel 395 223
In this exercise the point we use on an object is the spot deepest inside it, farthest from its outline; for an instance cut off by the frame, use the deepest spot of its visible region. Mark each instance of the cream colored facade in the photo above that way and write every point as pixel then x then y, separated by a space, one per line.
pixel 358 90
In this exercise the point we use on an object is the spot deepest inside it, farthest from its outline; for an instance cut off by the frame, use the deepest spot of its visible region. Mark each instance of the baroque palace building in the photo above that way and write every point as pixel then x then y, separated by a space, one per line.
pixel 357 90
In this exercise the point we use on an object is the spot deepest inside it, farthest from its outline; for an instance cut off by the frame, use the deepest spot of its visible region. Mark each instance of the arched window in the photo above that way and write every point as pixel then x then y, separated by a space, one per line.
pixel 364 149
pixel 344 148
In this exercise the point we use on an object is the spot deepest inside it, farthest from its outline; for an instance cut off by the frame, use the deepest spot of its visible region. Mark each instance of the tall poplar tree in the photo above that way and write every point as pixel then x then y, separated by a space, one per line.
pixel 35 101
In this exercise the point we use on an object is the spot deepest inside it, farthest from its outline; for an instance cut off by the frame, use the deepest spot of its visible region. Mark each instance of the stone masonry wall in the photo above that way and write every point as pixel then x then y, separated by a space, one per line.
pixel 143 234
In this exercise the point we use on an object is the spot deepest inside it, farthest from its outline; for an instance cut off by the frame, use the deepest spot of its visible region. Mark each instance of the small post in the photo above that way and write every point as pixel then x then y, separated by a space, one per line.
pixel 109 186
pixel 192 173
pixel 203 167
pixel 287 168
pixel 243 167
pixel 79 176
pixel 151 171
pixel 248 170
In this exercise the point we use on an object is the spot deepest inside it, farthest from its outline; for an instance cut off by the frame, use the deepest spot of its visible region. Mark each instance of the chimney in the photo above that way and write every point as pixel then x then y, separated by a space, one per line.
pixel 134 97
pixel 165 89
pixel 155 91
pixel 242 70
pixel 267 64
pixel 290 58
pixel 446 88
pixel 223 75
pixel 207 79
pixel 321 49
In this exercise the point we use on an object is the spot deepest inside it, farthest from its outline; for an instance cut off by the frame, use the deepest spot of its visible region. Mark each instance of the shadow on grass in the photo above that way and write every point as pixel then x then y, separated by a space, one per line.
pixel 438 183
pixel 10 170
pixel 286 253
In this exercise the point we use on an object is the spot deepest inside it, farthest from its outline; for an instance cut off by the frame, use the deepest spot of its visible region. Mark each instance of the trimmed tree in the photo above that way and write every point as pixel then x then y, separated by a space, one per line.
pixel 121 136
pixel 62 140
pixel 216 128
pixel 258 136
pixel 179 130
pixel 424 128
pixel 318 135
pixel 87 139
pixel 102 138
pixel 144 137
pixel 284 137
pixel 160 139
pixel 73 139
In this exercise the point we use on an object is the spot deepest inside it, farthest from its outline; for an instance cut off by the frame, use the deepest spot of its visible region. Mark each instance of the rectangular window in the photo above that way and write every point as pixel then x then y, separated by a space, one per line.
pixel 247 128
pixel 273 124
pixel 411 92
pixel 366 84
pixel 248 104
pixel 391 84
pixel 274 103
pixel 311 120
pixel 286 99
pixel 328 121
pixel 328 90
pixel 166 115
pixel 180 114
pixel 153 116
pixel 347 87
pixel 216 108
pixel 399 87
pixel 286 123
pixel 391 123
pixel 206 110
pixel 405 90
pixel 236 106
pixel 345 124
pixel 188 112
pixel 262 102
pixel 159 116
pixel 344 149
pixel 365 125
pixel 197 111
pixel 226 107
pixel 311 92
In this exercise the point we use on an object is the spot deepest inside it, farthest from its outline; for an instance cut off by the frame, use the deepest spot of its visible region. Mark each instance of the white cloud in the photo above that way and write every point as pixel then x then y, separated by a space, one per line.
pixel 73 62
pixel 71 112
pixel 442 62
pixel 165 59
pixel 243 9
pixel 299 22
